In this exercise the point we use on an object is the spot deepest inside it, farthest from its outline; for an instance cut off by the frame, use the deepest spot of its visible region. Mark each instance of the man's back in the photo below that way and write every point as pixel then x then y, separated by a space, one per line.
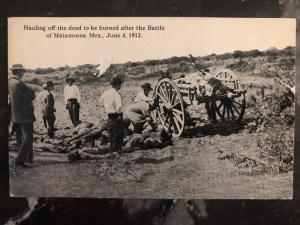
pixel 111 100
pixel 21 98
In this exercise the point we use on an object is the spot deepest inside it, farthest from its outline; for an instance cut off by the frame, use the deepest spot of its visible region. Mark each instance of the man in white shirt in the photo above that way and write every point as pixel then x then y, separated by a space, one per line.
pixel 72 99
pixel 41 95
pixel 139 111
pixel 112 102
pixel 144 94
pixel 40 99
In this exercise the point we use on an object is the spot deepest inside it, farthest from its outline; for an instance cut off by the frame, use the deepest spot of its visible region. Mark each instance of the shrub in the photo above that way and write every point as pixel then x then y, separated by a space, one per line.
pixel 287 61
pixel 289 51
pixel 277 148
pixel 224 56
pixel 34 81
pixel 241 66
pixel 254 53
pixel 238 54
pixel 272 52
pixel 44 70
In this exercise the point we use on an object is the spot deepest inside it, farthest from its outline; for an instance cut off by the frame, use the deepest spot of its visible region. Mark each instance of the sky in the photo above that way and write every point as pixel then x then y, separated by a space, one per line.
pixel 181 36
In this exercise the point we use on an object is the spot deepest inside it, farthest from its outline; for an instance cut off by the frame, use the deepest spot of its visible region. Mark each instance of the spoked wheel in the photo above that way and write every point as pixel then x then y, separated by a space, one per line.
pixel 170 109
pixel 230 109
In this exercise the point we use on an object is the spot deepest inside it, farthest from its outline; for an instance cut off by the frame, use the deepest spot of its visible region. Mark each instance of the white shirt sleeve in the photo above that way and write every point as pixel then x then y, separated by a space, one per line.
pixel 100 100
pixel 65 95
pixel 142 97
pixel 118 102
pixel 78 94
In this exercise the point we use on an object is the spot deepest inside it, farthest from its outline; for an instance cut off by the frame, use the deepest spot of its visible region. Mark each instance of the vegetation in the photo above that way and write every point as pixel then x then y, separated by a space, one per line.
pixel 272 62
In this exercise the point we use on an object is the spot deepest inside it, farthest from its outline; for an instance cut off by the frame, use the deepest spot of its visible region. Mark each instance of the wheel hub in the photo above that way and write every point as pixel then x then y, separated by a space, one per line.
pixel 168 106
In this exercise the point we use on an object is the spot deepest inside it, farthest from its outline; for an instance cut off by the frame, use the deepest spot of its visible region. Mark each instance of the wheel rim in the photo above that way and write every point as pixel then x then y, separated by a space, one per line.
pixel 230 109
pixel 170 109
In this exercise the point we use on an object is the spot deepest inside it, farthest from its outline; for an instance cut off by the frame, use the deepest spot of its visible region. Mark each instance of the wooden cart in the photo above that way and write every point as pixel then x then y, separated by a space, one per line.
pixel 225 102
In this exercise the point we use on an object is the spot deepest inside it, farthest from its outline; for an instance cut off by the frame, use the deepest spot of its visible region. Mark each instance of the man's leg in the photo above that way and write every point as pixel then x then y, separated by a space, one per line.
pixel 25 150
pixel 51 121
pixel 70 109
pixel 18 134
pixel 116 133
pixel 76 113
pixel 45 120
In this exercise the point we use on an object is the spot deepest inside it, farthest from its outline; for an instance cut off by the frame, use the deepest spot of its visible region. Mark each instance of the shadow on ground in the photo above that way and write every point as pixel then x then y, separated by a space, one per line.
pixel 223 129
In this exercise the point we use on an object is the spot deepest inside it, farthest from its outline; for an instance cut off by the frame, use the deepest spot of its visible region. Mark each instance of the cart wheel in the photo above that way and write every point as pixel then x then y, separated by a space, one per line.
pixel 230 109
pixel 170 109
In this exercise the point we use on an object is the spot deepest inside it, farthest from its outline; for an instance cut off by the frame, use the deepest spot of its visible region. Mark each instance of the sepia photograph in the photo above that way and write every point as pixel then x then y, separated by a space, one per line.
pixel 170 108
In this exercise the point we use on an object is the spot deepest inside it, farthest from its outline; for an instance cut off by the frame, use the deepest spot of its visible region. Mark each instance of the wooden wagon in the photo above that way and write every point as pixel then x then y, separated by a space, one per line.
pixel 224 101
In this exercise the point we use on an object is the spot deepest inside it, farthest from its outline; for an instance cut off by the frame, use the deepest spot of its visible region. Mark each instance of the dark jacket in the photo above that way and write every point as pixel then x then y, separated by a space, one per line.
pixel 49 105
pixel 21 98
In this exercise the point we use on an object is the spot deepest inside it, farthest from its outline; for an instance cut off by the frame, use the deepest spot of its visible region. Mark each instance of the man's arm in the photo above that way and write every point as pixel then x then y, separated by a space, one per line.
pixel 100 100
pixel 65 95
pixel 25 91
pixel 78 94
pixel 118 101
pixel 50 103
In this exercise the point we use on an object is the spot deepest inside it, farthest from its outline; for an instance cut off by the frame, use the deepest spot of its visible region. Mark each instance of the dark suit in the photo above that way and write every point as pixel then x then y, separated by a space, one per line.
pixel 22 115
pixel 49 115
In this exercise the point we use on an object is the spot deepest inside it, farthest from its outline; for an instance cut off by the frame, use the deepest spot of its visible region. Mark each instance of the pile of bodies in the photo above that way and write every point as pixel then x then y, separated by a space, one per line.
pixel 91 141
pixel 95 144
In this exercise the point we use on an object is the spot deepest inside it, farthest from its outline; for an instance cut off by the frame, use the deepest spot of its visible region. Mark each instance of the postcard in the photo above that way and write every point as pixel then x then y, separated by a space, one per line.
pixel 161 107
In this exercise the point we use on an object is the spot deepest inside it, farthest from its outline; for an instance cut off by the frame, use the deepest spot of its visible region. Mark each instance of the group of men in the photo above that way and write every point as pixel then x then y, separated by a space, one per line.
pixel 138 112
pixel 22 111
pixel 71 100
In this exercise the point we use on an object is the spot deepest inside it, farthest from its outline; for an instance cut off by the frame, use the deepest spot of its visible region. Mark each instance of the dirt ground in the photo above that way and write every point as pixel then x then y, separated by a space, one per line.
pixel 189 169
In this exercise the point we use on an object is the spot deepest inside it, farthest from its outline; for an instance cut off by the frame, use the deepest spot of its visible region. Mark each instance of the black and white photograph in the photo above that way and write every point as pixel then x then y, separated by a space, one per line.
pixel 172 108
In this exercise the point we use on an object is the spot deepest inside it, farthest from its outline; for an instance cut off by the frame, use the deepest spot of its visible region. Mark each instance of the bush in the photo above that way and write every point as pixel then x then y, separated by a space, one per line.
pixel 241 66
pixel 35 81
pixel 224 56
pixel 238 54
pixel 277 148
pixel 289 51
pixel 44 70
pixel 272 52
pixel 287 61
pixel 254 53
pixel 210 57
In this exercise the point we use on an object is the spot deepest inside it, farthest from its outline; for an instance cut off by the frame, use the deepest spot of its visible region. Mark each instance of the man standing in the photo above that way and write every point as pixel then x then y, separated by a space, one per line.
pixel 22 115
pixel 112 102
pixel 40 99
pixel 72 99
pixel 49 110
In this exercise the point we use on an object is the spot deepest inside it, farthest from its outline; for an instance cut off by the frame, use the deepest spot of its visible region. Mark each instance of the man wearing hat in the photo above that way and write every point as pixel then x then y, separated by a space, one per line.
pixel 140 110
pixel 49 110
pixel 22 114
pixel 72 99
pixel 40 99
pixel 144 94
pixel 112 102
